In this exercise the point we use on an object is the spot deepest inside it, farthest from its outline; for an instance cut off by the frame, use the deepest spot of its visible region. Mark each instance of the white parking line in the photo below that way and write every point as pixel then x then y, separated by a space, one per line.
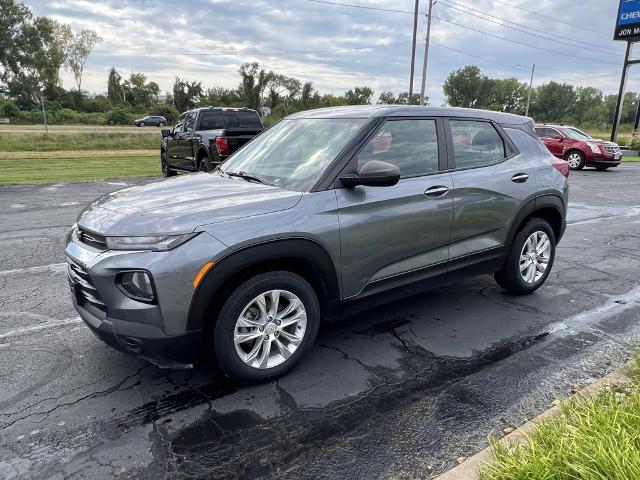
pixel 53 267
pixel 42 326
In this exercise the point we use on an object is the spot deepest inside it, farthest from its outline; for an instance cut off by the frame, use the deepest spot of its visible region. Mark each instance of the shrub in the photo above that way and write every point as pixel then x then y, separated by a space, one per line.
pixel 117 117
pixel 635 140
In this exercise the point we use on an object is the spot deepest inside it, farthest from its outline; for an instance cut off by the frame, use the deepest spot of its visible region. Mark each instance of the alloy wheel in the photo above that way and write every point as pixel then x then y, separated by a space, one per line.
pixel 270 329
pixel 535 256
pixel 574 160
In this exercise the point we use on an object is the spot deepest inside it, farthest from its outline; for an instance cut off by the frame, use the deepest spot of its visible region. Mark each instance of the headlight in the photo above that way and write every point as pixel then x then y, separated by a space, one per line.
pixel 157 243
pixel 137 285
pixel 595 148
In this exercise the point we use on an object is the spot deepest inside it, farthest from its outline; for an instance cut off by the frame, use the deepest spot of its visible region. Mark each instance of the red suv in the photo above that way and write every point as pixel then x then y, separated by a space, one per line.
pixel 578 148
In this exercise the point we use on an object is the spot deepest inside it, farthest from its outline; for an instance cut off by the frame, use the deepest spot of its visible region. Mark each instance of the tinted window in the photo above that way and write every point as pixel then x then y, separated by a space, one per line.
pixel 541 132
pixel 576 134
pixel 179 124
pixel 475 143
pixel 210 120
pixel 189 123
pixel 241 119
pixel 411 145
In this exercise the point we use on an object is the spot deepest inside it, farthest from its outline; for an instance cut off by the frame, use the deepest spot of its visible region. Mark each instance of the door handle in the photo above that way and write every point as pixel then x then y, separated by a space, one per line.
pixel 520 178
pixel 436 192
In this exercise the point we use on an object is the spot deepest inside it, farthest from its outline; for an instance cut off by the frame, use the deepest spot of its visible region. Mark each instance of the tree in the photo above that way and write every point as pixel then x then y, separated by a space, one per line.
pixel 554 102
pixel 221 97
pixel 186 95
pixel 466 87
pixel 79 51
pixel 506 95
pixel 359 96
pixel 115 92
pixel 253 82
pixel 138 92
pixel 29 54
pixel 589 106
pixel 309 97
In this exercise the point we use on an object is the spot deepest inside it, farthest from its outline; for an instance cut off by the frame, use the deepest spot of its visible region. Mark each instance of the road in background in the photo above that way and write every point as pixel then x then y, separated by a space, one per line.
pixel 397 392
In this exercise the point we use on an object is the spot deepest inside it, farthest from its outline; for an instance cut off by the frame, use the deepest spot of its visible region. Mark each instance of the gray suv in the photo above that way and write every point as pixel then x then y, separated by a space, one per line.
pixel 326 213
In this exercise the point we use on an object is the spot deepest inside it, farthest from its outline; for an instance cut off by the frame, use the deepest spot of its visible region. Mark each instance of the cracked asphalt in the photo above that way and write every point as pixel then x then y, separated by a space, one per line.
pixel 396 392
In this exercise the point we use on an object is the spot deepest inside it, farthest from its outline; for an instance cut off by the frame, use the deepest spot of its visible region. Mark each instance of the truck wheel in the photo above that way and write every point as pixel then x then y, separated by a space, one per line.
pixel 265 326
pixel 529 259
pixel 575 159
pixel 204 165
pixel 164 162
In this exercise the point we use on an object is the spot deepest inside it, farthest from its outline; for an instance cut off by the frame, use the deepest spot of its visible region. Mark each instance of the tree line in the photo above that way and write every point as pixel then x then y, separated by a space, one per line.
pixel 34 50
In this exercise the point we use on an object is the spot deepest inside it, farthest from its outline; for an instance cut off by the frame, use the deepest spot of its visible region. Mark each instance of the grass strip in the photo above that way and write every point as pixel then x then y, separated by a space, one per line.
pixel 20 142
pixel 56 170
pixel 595 438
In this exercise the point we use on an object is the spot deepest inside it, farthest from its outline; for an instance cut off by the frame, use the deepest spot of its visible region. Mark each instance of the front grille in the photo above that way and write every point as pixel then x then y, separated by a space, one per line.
pixel 84 290
pixel 92 239
pixel 611 148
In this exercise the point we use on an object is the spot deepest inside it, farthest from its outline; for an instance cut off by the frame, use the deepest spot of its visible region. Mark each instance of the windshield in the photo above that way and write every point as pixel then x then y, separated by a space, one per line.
pixel 576 134
pixel 293 153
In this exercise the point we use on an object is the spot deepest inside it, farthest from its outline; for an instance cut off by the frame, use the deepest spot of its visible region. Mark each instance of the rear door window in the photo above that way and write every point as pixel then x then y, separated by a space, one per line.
pixel 210 120
pixel 476 143
pixel 411 145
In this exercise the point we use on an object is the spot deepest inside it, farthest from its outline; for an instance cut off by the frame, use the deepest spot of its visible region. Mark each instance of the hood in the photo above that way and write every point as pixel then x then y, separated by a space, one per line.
pixel 181 204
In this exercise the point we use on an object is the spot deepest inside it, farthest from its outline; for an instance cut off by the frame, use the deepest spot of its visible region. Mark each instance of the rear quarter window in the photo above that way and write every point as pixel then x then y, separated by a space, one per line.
pixel 241 120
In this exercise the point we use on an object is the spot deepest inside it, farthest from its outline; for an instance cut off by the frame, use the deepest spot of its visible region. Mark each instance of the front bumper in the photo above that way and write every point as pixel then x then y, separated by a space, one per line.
pixel 155 331
pixel 603 161
pixel 145 341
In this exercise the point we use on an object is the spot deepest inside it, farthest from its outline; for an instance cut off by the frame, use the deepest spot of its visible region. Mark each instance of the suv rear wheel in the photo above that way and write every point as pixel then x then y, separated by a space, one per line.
pixel 530 258
pixel 575 159
pixel 265 326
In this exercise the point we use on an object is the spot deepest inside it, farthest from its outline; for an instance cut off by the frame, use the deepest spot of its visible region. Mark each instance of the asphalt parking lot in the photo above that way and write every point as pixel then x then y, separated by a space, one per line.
pixel 396 392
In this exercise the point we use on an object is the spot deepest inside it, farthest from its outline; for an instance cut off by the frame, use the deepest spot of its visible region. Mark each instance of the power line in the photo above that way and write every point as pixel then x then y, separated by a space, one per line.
pixel 505 65
pixel 513 25
pixel 549 17
pixel 351 5
pixel 255 54
pixel 524 43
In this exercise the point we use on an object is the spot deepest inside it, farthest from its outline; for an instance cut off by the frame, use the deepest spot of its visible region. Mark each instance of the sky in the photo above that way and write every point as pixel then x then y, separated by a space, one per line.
pixel 338 47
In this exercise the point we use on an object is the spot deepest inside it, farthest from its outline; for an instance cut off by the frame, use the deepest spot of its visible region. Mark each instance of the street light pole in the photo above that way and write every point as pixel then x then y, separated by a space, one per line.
pixel 413 50
pixel 426 54
pixel 533 71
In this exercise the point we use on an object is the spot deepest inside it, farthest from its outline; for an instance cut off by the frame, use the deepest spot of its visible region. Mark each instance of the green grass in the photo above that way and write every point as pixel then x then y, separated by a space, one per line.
pixel 16 142
pixel 595 438
pixel 56 170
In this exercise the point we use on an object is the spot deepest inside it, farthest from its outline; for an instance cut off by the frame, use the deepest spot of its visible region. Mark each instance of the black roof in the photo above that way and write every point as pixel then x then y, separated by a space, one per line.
pixel 370 111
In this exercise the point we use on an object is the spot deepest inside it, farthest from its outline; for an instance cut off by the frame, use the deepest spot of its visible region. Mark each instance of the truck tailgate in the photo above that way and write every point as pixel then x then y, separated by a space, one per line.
pixel 237 137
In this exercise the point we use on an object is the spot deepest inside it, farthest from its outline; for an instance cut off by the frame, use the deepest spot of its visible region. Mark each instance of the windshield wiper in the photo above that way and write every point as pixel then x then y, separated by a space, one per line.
pixel 249 178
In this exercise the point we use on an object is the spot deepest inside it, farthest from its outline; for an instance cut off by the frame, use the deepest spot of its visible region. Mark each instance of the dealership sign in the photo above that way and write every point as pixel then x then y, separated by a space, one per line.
pixel 628 23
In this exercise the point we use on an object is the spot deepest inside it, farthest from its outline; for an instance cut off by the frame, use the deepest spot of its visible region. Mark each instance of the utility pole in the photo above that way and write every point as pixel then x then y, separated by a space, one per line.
pixel 44 116
pixel 413 50
pixel 426 54
pixel 533 71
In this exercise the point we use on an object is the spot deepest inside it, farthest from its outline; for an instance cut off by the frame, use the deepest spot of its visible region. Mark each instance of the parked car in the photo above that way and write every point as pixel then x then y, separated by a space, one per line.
pixel 327 213
pixel 4 121
pixel 579 148
pixel 203 138
pixel 151 120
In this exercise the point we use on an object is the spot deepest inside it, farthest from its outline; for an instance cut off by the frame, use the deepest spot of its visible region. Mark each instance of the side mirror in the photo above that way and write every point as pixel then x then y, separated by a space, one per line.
pixel 374 173
pixel 165 132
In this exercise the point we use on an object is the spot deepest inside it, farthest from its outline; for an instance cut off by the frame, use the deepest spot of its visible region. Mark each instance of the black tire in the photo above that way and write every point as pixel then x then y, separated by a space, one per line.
pixel 509 277
pixel 575 159
pixel 141 124
pixel 602 169
pixel 204 165
pixel 161 124
pixel 225 351
pixel 164 164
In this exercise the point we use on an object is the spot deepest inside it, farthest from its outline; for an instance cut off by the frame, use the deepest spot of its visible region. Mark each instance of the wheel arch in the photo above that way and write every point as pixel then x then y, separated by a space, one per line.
pixel 548 207
pixel 304 257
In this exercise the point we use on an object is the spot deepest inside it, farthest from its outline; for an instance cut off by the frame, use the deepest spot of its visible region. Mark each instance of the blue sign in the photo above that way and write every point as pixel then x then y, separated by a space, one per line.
pixel 628 22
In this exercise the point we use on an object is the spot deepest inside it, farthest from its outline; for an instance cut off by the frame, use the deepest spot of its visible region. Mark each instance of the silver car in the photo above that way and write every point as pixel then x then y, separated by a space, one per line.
pixel 326 213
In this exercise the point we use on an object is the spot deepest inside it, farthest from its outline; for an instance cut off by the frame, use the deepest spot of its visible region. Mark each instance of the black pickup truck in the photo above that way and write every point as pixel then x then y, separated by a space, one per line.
pixel 203 138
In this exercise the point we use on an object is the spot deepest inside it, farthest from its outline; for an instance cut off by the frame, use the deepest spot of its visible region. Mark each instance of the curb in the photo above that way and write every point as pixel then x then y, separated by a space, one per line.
pixel 468 470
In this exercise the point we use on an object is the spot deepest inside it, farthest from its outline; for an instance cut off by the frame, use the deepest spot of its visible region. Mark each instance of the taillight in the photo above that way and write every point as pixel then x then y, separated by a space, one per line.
pixel 562 166
pixel 223 146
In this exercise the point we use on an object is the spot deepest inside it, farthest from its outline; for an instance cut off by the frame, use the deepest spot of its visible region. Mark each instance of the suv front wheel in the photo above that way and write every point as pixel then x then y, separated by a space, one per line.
pixel 265 326
pixel 529 259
